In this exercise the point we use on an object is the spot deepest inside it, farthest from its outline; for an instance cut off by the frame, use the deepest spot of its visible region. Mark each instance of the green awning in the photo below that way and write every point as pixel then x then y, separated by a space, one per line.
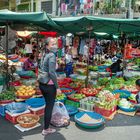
pixel 36 18
pixel 108 25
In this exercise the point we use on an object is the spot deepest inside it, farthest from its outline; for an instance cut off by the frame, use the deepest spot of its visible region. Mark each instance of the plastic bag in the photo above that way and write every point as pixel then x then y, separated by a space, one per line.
pixel 60 116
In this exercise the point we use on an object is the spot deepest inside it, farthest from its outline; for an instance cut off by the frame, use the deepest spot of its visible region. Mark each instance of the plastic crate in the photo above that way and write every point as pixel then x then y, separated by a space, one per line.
pixel 86 106
pixel 104 112
pixel 13 117
pixel 2 110
pixel 37 111
pixel 72 103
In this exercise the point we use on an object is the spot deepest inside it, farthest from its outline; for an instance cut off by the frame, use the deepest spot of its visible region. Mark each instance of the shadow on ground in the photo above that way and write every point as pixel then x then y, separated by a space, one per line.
pixel 9 132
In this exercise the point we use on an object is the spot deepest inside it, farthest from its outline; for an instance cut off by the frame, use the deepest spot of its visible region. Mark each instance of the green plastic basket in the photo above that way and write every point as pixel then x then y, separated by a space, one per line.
pixel 72 103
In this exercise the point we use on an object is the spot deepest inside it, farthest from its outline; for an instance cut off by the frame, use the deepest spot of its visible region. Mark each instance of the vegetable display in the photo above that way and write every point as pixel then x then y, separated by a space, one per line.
pixel 7 95
pixel 60 97
pixel 106 100
pixel 76 97
pixel 103 81
pixel 124 103
pixel 89 91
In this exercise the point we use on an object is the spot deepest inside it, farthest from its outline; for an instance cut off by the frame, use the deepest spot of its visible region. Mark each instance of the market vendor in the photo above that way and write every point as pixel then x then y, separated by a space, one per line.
pixel 138 88
pixel 116 67
pixel 69 63
pixel 30 63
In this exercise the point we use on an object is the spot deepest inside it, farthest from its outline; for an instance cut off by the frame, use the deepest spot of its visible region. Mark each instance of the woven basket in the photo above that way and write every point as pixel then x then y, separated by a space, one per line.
pixel 28 125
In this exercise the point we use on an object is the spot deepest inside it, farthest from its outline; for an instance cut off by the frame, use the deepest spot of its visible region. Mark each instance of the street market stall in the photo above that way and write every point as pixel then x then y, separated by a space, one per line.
pixel 105 94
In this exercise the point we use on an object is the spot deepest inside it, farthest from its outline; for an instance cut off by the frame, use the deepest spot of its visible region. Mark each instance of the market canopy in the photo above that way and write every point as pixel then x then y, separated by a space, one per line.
pixel 36 18
pixel 98 24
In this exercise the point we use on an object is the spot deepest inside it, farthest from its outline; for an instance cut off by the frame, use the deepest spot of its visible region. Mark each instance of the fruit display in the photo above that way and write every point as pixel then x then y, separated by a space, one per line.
pixel 7 96
pixel 76 97
pixel 106 100
pixel 25 91
pixel 89 91
pixel 60 97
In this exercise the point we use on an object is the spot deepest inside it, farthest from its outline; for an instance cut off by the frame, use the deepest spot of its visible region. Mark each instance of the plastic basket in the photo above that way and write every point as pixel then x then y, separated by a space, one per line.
pixel 123 93
pixel 72 103
pixel 71 110
pixel 127 109
pixel 67 91
pixel 35 102
pixel 2 110
pixel 16 107
pixel 104 112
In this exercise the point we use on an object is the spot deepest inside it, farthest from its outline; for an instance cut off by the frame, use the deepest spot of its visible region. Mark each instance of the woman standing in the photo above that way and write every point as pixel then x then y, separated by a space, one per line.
pixel 48 82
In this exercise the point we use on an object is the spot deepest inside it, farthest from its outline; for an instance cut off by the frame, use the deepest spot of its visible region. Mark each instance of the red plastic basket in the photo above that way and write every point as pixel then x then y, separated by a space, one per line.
pixel 104 112
pixel 39 112
pixel 73 99
pixel 13 119
pixel 6 101
pixel 134 92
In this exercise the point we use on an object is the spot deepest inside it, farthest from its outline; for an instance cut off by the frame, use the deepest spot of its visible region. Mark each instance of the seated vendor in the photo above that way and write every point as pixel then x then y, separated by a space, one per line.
pixel 116 67
pixel 29 64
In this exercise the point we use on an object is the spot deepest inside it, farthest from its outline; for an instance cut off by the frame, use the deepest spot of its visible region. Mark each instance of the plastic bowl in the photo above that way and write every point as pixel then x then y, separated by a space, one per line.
pixel 16 107
pixel 127 109
pixel 123 93
pixel 71 110
pixel 87 124
pixel 35 102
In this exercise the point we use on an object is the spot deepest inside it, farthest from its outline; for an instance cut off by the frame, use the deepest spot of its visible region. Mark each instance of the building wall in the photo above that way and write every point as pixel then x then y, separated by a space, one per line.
pixel 54 6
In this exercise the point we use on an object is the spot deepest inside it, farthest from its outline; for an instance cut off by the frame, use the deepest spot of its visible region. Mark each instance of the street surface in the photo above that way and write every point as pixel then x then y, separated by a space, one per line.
pixel 120 128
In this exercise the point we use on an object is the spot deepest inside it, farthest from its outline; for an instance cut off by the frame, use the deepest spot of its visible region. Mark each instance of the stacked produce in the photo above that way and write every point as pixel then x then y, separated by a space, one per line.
pixel 7 96
pixel 93 68
pixel 131 88
pixel 76 97
pixel 76 85
pixel 103 81
pixel 60 97
pixel 106 100
pixel 126 106
pixel 89 91
pixel 25 91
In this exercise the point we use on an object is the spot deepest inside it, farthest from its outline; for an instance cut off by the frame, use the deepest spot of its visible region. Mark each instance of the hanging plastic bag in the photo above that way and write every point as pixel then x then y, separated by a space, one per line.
pixel 60 116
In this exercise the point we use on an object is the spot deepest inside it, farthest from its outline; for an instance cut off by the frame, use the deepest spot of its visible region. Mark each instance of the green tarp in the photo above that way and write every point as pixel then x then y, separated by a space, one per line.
pixel 107 25
pixel 36 18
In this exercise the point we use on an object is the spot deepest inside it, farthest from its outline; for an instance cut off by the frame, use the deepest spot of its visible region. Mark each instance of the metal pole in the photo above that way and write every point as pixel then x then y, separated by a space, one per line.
pixel 87 79
pixel 7 43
